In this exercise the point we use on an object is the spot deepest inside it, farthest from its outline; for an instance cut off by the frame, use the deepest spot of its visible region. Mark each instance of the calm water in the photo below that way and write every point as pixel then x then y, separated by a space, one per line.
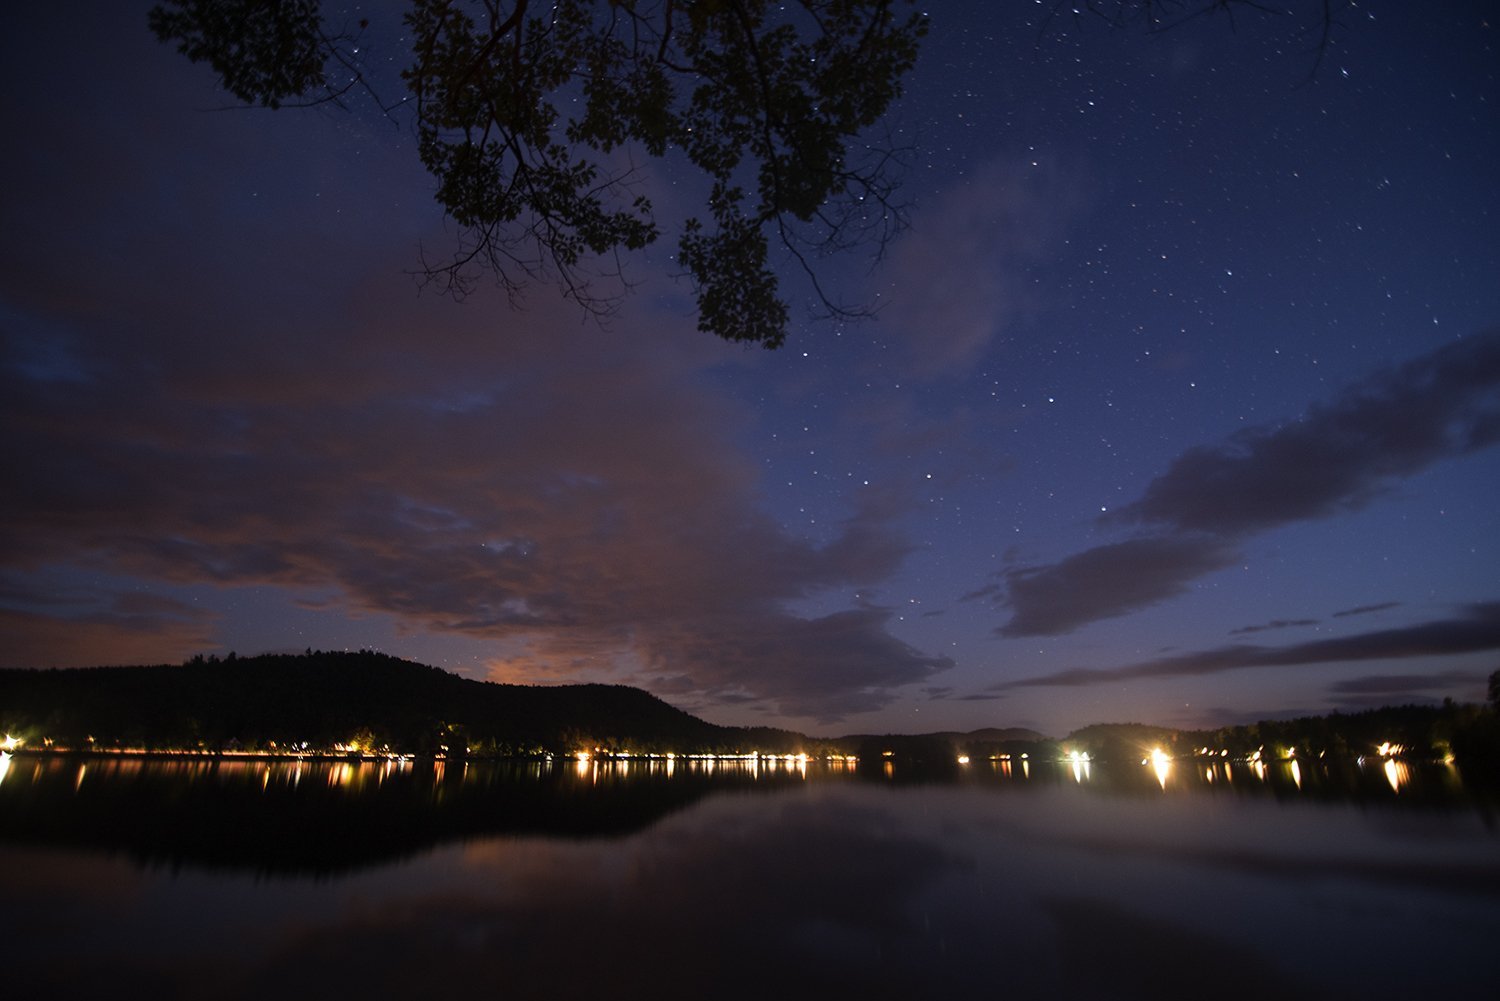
pixel 248 880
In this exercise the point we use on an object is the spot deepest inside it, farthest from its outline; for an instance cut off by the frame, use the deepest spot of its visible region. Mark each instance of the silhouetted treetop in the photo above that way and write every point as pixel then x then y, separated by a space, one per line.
pixel 527 115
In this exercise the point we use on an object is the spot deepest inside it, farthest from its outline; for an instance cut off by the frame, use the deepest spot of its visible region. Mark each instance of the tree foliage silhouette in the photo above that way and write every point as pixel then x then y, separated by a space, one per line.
pixel 527 115
pixel 531 116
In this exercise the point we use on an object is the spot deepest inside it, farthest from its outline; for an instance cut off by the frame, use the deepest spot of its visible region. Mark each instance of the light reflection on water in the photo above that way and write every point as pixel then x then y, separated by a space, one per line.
pixel 1348 779
pixel 1396 773
pixel 354 776
pixel 1052 880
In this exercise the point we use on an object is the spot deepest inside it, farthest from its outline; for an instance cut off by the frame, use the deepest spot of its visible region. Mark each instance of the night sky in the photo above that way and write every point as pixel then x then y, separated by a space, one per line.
pixel 1180 405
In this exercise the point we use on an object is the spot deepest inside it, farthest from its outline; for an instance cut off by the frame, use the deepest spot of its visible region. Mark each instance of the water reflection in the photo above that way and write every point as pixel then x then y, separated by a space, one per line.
pixel 238 813
pixel 1396 773
pixel 740 879
pixel 322 817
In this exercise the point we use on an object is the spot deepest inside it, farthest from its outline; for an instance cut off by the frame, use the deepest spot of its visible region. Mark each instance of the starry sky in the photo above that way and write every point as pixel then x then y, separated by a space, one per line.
pixel 1180 404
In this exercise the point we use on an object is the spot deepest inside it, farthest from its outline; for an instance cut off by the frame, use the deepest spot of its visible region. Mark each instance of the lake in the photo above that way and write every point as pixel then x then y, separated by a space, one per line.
pixel 257 879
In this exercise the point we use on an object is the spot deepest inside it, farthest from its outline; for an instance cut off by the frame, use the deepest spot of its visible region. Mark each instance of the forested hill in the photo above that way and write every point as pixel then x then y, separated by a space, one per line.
pixel 331 698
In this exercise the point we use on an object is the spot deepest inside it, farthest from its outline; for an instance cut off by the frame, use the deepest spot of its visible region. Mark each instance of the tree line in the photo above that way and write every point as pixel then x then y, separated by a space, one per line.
pixel 363 700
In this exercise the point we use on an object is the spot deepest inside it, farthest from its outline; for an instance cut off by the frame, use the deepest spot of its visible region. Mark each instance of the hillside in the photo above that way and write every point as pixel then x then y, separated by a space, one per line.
pixel 323 699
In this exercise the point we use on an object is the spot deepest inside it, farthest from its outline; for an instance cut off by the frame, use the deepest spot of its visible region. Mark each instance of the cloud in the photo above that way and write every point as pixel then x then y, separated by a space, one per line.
pixel 121 632
pixel 989 592
pixel 278 408
pixel 825 668
pixel 962 267
pixel 1337 457
pixel 1273 624
pixel 1107 581
pixel 1402 684
pixel 1367 609
pixel 543 483
pixel 1477 630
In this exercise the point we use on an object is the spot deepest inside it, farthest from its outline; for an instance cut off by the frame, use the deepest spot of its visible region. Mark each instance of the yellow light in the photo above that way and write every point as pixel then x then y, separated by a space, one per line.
pixel 11 743
pixel 1395 774
pixel 1161 764
pixel 963 759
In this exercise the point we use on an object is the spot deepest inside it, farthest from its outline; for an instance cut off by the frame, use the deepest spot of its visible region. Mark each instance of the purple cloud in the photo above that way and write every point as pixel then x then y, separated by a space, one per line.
pixel 1005 216
pixel 1384 685
pixel 1273 625
pixel 497 475
pixel 1367 609
pixel 1337 457
pixel 1477 630
pixel 1107 581
pixel 276 407
pixel 114 633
